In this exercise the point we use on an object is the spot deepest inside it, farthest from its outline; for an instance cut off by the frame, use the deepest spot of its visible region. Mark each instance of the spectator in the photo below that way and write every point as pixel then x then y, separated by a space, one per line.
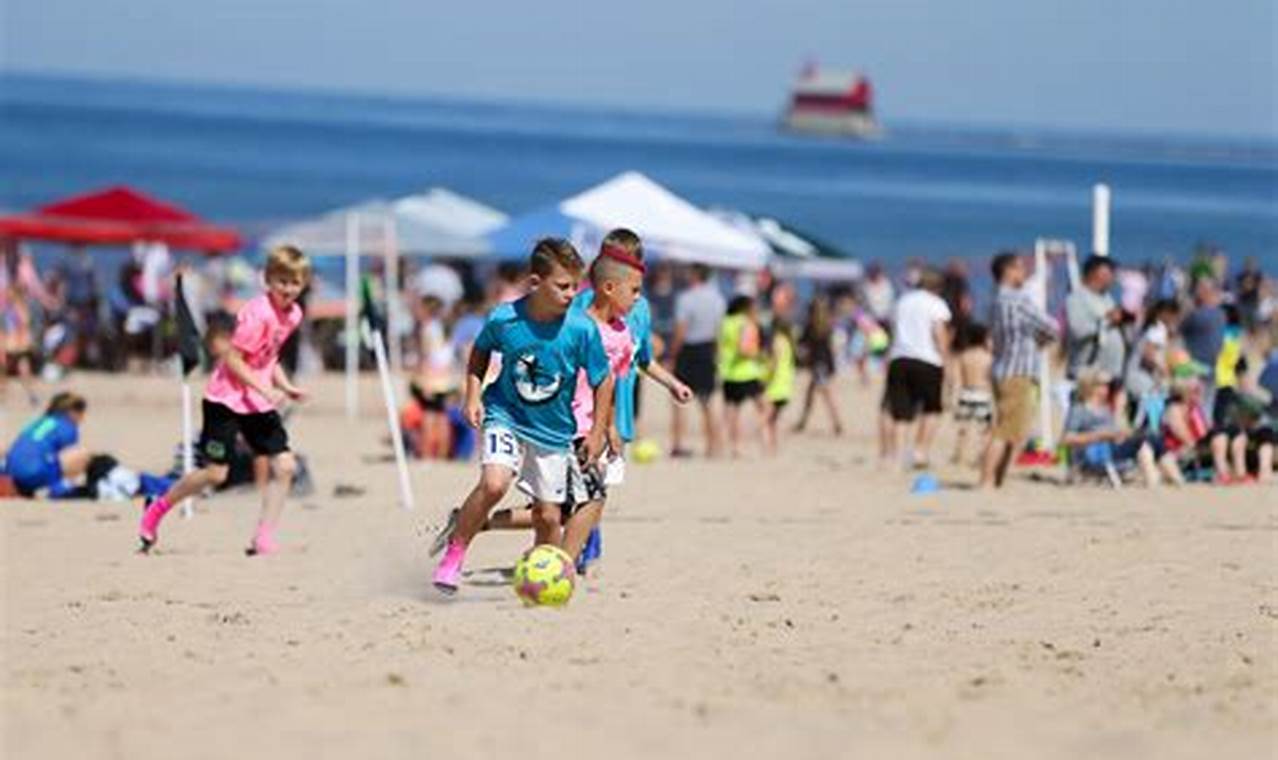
pixel 879 295
pixel 1147 366
pixel 916 373
pixel 816 352
pixel 1203 332
pixel 1095 436
pixel 1019 329
pixel 699 311
pixel 1095 322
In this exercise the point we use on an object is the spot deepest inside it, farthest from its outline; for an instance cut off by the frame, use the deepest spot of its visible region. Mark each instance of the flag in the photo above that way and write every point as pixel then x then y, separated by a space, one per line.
pixel 188 335
pixel 368 311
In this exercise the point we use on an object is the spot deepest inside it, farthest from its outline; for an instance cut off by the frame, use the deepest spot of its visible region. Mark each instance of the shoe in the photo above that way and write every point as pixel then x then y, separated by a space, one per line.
pixel 680 454
pixel 149 529
pixel 445 534
pixel 263 543
pixel 448 573
pixel 592 551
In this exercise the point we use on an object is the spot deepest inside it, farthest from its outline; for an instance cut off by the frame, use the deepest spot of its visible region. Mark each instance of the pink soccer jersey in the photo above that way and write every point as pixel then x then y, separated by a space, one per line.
pixel 620 348
pixel 260 332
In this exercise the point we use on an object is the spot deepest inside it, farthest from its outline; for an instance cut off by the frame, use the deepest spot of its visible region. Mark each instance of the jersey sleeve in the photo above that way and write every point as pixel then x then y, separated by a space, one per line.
pixel 642 333
pixel 489 335
pixel 593 359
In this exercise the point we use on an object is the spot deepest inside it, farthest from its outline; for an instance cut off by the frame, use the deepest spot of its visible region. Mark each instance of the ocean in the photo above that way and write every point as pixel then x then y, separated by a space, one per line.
pixel 256 157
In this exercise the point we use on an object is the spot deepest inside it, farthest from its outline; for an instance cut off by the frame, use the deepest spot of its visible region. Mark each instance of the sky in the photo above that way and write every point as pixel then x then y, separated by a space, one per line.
pixel 1137 66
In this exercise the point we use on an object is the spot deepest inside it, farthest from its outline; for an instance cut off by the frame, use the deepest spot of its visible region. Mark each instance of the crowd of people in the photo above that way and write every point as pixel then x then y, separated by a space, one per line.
pixel 1170 374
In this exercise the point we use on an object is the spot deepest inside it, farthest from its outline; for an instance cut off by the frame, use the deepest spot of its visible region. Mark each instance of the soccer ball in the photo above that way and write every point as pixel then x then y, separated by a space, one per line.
pixel 544 576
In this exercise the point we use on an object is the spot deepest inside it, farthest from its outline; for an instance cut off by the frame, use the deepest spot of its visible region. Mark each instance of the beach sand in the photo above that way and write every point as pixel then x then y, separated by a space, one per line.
pixel 806 606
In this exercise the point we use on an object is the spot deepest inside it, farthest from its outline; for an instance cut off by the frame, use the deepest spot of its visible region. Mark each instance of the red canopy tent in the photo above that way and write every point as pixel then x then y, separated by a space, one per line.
pixel 119 216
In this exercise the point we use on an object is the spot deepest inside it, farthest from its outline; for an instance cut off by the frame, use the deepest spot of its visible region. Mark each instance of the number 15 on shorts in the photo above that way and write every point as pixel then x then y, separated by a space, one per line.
pixel 502 447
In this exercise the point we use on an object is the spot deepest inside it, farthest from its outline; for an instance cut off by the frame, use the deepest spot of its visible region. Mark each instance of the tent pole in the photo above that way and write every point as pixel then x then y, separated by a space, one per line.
pixel 393 342
pixel 352 314
pixel 1100 219
pixel 1046 433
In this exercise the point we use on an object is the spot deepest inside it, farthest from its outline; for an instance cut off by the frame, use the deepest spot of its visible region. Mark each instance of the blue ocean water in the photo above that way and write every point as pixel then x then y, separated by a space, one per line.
pixel 257 157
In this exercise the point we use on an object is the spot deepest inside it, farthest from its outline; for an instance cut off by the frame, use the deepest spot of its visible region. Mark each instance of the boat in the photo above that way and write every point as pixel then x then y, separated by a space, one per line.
pixel 829 102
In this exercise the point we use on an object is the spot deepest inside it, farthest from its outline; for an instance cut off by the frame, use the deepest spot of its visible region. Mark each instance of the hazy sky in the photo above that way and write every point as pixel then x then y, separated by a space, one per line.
pixel 1136 65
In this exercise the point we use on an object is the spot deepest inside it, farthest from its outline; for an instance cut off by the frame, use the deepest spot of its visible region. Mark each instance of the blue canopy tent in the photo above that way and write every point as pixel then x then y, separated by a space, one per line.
pixel 514 240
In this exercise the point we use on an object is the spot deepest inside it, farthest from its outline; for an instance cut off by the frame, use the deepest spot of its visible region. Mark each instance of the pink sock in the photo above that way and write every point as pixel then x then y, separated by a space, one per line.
pixel 151 518
pixel 264 540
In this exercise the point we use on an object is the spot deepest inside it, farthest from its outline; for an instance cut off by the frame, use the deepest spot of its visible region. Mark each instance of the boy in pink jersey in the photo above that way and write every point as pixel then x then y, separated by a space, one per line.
pixel 241 398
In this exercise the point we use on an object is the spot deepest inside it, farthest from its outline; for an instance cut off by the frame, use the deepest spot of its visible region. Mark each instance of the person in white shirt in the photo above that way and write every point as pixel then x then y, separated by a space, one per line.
pixel 916 368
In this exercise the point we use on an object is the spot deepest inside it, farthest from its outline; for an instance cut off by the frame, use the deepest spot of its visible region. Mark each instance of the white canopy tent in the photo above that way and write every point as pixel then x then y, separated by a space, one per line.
pixel 450 212
pixel 671 226
pixel 437 223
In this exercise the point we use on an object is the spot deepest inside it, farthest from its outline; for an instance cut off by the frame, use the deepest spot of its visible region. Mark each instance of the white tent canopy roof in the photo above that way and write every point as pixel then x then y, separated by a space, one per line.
pixel 451 212
pixel 669 224
pixel 327 234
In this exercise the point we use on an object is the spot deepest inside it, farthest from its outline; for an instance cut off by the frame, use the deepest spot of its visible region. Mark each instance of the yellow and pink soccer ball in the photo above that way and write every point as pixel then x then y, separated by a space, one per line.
pixel 544 577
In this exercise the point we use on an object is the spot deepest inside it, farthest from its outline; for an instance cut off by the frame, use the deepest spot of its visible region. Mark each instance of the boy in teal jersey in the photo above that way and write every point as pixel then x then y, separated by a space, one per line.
pixel 526 413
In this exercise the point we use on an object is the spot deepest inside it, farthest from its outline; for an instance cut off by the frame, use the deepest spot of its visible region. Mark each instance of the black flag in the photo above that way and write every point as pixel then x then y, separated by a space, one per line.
pixel 368 310
pixel 188 335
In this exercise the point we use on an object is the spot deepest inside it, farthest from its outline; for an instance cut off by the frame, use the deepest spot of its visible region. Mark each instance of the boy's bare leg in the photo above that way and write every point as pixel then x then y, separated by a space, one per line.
pixel 284 465
pixel 189 485
pixel 809 398
pixel 510 519
pixel 928 424
pixel 494 481
pixel 546 527
pixel 577 531
pixel 960 438
pixel 766 430
pixel 676 427
pixel 1266 457
pixel 261 473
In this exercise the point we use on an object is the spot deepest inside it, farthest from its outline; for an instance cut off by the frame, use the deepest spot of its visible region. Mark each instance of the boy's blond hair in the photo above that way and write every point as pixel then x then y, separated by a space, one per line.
pixel 288 261
pixel 551 252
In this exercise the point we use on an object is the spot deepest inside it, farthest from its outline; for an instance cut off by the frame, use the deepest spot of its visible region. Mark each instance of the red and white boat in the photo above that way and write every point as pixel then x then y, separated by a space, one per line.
pixel 832 103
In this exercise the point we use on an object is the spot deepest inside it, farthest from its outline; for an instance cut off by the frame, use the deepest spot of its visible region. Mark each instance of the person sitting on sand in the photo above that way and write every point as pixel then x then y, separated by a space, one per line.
pixel 1092 421
pixel 47 454
pixel 1186 430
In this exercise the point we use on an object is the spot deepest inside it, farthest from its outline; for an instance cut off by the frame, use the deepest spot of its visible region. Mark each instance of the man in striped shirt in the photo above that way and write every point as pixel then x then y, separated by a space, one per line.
pixel 1020 329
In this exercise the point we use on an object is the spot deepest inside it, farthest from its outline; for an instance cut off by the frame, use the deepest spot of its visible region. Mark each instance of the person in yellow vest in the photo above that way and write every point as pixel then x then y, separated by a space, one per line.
pixel 780 374
pixel 741 367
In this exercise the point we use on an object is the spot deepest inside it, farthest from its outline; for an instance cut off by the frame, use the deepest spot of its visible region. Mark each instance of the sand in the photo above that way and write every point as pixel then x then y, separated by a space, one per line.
pixel 806 606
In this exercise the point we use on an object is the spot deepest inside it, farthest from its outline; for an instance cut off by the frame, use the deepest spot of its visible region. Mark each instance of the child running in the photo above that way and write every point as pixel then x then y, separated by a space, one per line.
pixel 241 399
pixel 526 413
pixel 616 273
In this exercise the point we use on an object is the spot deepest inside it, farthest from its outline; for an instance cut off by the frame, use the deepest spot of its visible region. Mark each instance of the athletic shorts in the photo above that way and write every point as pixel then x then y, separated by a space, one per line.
pixel 263 432
pixel 695 365
pixel 1014 399
pixel 974 405
pixel 541 472
pixel 584 484
pixel 735 394
pixel 913 386
pixel 29 477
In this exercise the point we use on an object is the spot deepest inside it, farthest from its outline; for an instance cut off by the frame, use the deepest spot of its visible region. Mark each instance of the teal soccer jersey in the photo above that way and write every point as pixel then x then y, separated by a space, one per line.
pixel 539 363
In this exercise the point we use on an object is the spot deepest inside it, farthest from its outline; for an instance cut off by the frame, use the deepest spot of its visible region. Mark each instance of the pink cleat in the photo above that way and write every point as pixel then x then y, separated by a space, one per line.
pixel 148 531
pixel 263 543
pixel 448 571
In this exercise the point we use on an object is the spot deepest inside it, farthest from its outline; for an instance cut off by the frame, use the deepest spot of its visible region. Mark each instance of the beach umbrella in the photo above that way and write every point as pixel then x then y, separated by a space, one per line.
pixel 796 254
